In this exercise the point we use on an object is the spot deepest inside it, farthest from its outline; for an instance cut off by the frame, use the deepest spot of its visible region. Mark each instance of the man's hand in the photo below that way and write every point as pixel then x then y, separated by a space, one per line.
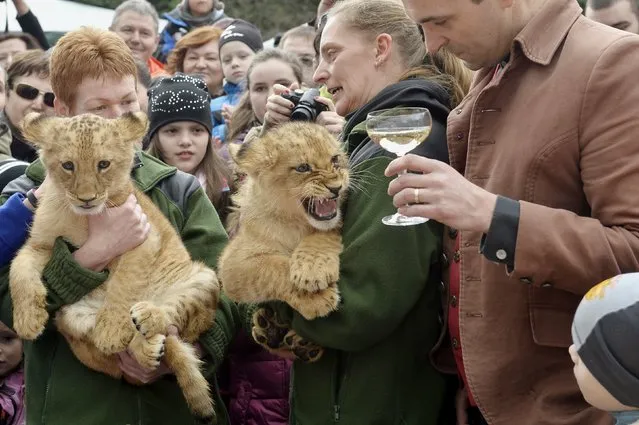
pixel 112 233
pixel 329 119
pixel 440 193
pixel 134 373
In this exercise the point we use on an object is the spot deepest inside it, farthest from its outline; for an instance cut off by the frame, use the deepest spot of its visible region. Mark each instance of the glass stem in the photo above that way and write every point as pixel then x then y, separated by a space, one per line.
pixel 401 173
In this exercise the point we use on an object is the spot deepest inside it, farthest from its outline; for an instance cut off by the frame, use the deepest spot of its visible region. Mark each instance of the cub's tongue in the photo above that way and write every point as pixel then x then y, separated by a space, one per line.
pixel 326 207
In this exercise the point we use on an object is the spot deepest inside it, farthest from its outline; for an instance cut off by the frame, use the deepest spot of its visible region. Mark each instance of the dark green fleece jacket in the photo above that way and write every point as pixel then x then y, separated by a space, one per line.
pixel 376 369
pixel 62 391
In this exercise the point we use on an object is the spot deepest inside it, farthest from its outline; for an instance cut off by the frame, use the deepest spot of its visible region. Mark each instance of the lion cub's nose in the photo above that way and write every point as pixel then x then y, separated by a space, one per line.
pixel 335 190
pixel 87 200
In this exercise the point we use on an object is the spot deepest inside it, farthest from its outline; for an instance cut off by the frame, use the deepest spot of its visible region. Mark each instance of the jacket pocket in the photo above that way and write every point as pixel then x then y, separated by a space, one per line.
pixel 551 313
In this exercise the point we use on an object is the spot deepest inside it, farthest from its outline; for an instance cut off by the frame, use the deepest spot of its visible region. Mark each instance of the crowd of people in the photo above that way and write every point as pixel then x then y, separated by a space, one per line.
pixel 527 178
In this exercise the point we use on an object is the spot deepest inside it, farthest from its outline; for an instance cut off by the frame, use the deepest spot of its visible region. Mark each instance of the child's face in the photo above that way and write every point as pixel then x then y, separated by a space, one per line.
pixel 10 350
pixel 592 390
pixel 183 144
pixel 236 59
pixel 262 79
pixel 200 7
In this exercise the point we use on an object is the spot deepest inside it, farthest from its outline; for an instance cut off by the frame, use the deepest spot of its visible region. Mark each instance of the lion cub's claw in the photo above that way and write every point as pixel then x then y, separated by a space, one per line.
pixel 268 330
pixel 313 272
pixel 151 352
pixel 274 334
pixel 148 318
pixel 303 349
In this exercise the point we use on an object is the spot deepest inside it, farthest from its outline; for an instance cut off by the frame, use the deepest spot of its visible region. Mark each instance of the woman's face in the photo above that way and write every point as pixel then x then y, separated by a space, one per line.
pixel 183 144
pixel 347 67
pixel 205 61
pixel 262 79
pixel 200 7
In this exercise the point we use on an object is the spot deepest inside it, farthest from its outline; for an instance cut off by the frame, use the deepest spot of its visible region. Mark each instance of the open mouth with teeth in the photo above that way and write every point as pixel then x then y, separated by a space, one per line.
pixel 321 209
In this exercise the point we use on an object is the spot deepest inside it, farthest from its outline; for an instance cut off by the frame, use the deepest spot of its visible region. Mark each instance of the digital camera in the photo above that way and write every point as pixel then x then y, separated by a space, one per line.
pixel 306 107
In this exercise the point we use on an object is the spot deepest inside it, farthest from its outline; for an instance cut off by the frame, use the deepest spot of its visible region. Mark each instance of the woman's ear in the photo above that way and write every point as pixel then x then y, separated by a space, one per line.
pixel 383 48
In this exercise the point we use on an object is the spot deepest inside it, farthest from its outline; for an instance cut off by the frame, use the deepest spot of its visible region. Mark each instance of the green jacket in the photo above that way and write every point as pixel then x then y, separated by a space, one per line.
pixel 376 369
pixel 62 391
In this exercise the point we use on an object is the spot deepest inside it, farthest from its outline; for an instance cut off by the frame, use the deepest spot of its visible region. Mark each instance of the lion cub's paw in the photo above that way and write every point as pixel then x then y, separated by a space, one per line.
pixel 314 271
pixel 150 352
pixel 30 318
pixel 303 349
pixel 268 330
pixel 320 304
pixel 149 319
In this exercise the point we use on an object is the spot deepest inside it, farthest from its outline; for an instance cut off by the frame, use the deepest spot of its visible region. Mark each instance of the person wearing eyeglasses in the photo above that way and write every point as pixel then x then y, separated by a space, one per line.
pixel 27 90
pixel 299 41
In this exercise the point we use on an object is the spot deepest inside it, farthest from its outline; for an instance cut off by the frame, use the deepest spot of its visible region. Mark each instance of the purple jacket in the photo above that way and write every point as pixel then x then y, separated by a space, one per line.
pixel 255 384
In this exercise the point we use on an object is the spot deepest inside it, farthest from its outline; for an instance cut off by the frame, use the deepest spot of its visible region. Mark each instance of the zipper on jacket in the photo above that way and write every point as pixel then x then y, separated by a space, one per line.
pixel 337 387
pixel 47 387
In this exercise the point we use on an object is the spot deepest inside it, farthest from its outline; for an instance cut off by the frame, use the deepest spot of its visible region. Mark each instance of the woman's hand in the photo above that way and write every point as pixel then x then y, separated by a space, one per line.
pixel 329 119
pixel 278 109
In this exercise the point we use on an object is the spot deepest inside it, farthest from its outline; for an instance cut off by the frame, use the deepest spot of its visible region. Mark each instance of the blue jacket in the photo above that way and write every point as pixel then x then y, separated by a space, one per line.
pixel 233 93
pixel 16 219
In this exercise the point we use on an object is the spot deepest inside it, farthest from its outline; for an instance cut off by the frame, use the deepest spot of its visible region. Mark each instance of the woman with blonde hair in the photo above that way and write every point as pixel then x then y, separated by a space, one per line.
pixel 375 368
pixel 197 53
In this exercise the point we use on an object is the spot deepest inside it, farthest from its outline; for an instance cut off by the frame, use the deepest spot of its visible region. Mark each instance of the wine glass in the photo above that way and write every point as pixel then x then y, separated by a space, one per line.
pixel 399 130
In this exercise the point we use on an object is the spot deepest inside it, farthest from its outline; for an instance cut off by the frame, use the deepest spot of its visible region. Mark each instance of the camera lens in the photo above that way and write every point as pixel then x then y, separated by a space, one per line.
pixel 307 109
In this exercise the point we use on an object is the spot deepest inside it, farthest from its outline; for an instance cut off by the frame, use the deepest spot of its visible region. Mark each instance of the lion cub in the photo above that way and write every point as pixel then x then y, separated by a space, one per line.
pixel 89 160
pixel 288 244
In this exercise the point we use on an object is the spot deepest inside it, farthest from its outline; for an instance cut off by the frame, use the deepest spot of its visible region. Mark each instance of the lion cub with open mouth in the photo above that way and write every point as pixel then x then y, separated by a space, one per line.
pixel 288 244
pixel 89 160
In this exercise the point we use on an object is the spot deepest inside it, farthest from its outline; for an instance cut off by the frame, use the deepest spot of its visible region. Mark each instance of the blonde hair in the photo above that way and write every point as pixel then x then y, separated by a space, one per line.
pixel 215 171
pixel 194 39
pixel 375 17
pixel 243 116
pixel 88 53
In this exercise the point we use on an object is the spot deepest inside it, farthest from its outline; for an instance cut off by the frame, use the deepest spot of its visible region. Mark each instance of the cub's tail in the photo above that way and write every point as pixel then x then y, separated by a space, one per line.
pixel 182 359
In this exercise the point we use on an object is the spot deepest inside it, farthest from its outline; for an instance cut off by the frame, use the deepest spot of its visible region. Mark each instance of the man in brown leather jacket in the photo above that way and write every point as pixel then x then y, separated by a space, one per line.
pixel 540 197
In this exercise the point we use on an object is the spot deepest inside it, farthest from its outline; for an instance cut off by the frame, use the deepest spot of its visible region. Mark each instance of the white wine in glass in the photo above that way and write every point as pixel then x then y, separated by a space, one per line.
pixel 399 130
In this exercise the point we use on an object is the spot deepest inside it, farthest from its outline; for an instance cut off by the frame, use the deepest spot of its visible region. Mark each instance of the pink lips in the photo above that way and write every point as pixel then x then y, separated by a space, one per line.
pixel 185 155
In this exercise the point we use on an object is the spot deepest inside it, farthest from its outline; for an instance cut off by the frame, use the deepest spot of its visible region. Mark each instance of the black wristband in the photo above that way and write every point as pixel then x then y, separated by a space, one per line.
pixel 32 198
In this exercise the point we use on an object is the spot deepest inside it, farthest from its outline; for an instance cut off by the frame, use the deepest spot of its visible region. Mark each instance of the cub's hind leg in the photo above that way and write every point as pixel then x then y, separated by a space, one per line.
pixel 189 304
pixel 274 333
pixel 113 329
pixel 148 351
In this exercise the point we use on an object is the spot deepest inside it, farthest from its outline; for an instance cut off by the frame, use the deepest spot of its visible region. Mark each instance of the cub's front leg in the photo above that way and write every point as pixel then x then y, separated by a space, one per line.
pixel 28 293
pixel 315 262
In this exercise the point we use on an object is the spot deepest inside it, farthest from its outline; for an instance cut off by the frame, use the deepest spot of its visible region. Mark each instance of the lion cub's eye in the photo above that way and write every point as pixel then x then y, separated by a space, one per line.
pixel 103 165
pixel 335 160
pixel 303 168
pixel 68 165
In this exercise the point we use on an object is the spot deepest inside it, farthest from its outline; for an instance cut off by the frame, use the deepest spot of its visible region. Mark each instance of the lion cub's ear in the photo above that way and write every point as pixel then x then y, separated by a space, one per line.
pixel 36 128
pixel 132 126
pixel 255 154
